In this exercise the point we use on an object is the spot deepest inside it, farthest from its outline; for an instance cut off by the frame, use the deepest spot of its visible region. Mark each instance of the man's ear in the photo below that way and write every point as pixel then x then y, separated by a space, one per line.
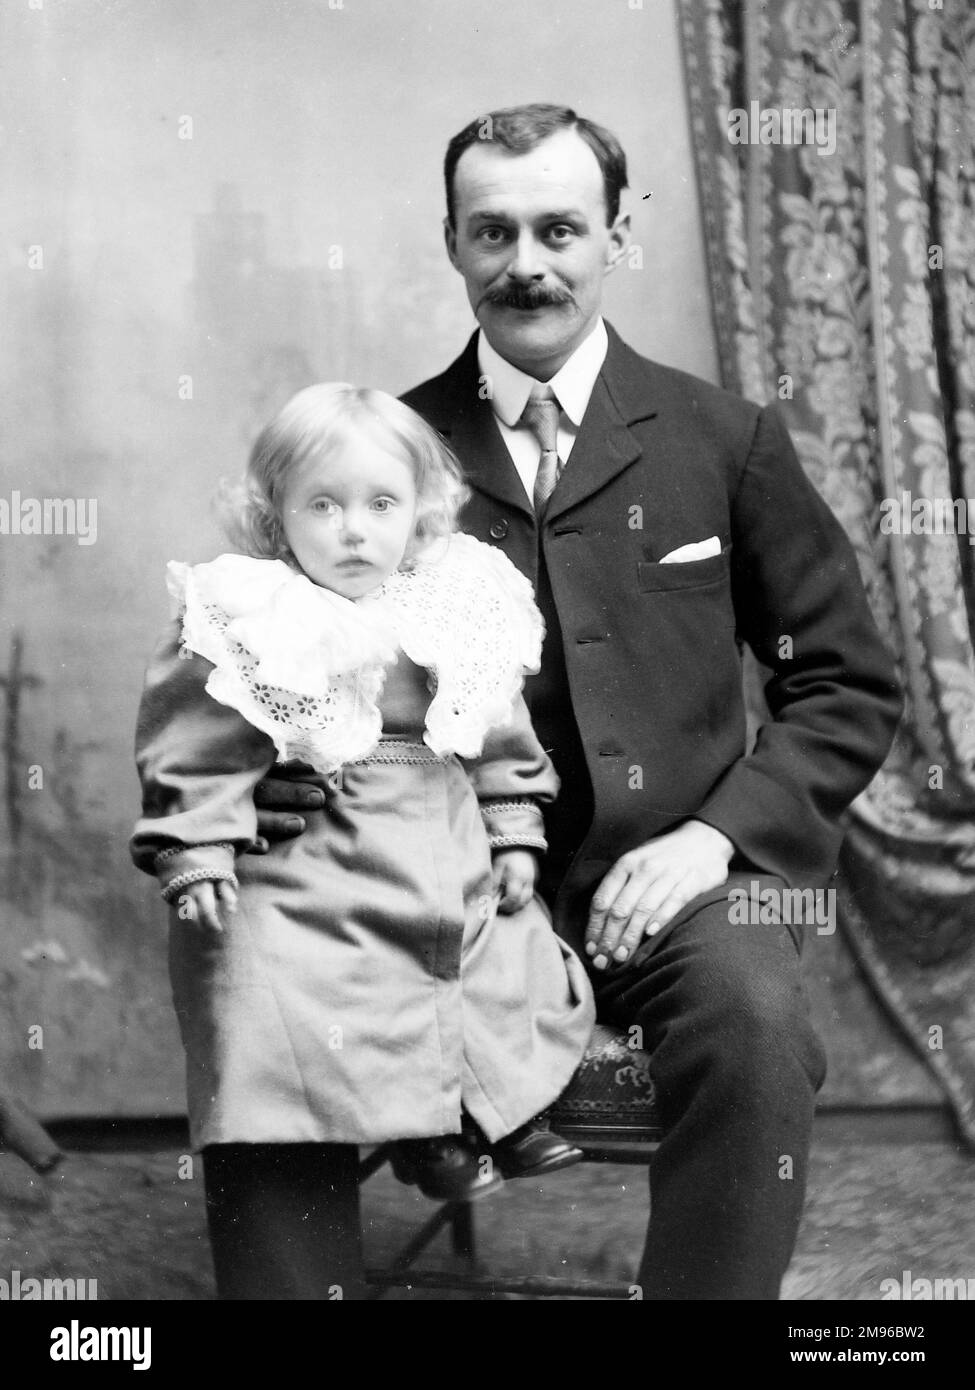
pixel 450 241
pixel 619 241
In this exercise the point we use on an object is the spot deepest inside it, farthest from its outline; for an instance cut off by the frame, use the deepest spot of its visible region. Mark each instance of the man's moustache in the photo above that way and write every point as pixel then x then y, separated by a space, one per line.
pixel 525 297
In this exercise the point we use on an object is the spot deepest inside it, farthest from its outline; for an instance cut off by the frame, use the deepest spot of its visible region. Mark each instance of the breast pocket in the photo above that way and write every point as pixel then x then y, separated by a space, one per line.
pixel 654 577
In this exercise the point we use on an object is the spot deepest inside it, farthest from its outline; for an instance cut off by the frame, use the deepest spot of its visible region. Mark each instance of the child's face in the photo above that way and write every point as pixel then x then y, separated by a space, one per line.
pixel 348 518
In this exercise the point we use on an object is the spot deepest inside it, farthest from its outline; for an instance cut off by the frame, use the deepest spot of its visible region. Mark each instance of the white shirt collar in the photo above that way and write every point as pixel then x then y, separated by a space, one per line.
pixel 572 383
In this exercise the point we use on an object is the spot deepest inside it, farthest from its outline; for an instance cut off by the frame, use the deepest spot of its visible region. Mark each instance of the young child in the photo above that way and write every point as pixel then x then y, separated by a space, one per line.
pixel 389 975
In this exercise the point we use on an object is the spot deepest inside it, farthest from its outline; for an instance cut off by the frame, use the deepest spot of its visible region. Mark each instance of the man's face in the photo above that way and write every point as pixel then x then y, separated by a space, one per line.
pixel 532 244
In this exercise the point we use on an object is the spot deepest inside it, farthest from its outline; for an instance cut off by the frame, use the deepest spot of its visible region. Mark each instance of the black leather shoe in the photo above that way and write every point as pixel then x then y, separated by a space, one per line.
pixel 446 1168
pixel 533 1149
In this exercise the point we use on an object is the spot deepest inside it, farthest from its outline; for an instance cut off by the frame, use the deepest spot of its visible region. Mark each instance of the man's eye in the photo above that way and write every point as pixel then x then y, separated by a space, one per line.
pixel 494 236
pixel 561 232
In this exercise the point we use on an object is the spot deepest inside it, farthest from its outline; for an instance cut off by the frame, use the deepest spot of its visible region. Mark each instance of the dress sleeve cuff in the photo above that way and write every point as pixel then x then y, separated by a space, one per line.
pixel 514 823
pixel 180 865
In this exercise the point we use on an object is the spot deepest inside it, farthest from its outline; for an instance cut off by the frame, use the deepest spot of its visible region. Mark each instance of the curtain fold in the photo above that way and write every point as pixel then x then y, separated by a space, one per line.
pixel 835 142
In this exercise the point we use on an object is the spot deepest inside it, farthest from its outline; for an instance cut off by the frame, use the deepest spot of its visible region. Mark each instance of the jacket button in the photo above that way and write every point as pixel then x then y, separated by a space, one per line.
pixel 498 531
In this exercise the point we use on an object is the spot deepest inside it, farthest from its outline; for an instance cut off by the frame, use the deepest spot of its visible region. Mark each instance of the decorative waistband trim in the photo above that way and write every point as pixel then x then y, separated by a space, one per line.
pixel 396 750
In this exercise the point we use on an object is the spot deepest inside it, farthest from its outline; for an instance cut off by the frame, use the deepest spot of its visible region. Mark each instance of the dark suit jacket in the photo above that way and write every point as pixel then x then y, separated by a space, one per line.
pixel 648 656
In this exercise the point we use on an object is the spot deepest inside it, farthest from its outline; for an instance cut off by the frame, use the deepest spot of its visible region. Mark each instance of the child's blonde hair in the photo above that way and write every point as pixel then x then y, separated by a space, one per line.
pixel 321 418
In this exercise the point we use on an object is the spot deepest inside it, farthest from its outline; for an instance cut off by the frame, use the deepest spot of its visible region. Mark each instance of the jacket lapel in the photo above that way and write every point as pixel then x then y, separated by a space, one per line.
pixel 477 442
pixel 605 444
pixel 466 421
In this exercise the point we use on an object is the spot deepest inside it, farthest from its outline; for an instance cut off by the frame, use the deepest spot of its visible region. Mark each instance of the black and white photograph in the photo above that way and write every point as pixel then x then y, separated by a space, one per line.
pixel 487 662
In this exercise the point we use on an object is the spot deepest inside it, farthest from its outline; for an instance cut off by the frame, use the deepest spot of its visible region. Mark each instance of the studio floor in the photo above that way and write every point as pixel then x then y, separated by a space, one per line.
pixel 877 1207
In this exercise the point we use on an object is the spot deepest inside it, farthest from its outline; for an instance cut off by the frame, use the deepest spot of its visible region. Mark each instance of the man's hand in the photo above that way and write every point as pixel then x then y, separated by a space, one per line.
pixel 648 886
pixel 276 800
pixel 205 904
pixel 514 873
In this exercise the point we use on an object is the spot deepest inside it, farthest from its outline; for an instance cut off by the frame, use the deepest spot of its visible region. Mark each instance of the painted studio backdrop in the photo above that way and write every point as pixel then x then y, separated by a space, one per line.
pixel 208 206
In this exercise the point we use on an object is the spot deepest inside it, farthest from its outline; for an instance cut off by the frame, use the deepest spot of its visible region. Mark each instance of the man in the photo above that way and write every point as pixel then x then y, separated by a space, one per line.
pixel 663 523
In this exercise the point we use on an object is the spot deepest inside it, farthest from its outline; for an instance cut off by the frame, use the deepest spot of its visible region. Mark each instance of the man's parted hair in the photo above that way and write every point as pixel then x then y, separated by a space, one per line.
pixel 518 129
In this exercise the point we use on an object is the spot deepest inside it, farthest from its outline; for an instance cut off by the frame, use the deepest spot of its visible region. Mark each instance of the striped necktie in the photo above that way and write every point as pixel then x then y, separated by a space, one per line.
pixel 541 415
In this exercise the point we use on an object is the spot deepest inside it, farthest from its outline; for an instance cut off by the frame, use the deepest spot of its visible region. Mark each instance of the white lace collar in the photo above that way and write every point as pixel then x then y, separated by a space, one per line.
pixel 307 666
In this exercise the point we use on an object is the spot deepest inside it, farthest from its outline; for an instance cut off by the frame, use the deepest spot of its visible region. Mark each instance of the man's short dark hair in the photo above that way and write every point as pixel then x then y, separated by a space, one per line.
pixel 519 129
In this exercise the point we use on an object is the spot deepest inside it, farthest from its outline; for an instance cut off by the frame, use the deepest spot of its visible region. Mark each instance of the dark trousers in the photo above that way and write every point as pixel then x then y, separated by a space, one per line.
pixel 736 1064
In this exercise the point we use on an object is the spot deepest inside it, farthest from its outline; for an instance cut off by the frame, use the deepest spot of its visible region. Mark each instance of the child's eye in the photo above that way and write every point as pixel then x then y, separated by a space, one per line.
pixel 383 504
pixel 323 505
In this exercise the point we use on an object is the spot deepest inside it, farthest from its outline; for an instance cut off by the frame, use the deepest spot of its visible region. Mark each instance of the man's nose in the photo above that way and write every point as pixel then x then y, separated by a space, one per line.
pixel 526 262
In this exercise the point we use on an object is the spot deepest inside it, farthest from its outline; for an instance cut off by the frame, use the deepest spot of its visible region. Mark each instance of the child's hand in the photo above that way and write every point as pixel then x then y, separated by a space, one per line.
pixel 515 871
pixel 205 903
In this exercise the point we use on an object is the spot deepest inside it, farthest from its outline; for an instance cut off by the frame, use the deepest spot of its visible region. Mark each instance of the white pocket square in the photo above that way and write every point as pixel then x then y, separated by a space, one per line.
pixel 697 550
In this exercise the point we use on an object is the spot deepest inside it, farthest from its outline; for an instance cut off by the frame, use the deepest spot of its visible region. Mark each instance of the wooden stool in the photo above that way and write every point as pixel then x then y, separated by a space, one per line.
pixel 608 1110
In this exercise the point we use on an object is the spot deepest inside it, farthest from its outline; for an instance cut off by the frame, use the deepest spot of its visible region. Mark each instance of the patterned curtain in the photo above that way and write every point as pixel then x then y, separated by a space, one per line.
pixel 836 157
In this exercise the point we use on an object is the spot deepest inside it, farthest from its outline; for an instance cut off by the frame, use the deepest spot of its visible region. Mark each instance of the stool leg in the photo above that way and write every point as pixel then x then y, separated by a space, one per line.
pixel 462 1237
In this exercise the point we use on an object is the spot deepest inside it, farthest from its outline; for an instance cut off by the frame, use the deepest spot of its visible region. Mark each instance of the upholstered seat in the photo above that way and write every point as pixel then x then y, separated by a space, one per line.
pixel 611 1098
